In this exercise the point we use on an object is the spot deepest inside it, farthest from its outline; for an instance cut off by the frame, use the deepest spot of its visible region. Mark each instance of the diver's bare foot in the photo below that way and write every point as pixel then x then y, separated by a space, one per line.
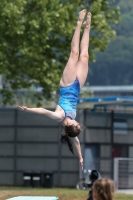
pixel 81 17
pixel 88 20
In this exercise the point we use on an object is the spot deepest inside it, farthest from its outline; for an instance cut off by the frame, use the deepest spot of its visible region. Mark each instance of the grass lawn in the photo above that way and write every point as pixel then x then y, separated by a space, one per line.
pixel 61 193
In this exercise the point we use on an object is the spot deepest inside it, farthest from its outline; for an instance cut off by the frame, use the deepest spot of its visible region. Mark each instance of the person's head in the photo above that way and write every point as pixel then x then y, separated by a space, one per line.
pixel 103 189
pixel 71 129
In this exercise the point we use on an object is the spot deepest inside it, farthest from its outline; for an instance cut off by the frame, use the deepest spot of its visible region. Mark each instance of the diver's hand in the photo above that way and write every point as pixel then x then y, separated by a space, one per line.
pixel 22 108
pixel 81 163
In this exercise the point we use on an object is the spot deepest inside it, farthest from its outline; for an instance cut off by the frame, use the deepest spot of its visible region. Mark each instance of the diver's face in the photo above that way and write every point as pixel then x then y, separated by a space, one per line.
pixel 71 122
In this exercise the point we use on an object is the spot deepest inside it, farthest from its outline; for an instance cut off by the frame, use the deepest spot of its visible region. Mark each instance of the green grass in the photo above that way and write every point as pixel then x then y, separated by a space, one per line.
pixel 62 193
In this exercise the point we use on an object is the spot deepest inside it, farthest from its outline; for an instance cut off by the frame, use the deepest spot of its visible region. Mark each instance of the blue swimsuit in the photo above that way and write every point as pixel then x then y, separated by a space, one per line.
pixel 68 99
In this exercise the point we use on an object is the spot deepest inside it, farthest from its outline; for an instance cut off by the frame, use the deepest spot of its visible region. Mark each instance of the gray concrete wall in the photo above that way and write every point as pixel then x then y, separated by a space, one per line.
pixel 31 142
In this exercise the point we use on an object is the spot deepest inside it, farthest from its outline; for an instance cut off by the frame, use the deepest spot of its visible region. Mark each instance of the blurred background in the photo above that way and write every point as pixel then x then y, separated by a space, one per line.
pixel 35 42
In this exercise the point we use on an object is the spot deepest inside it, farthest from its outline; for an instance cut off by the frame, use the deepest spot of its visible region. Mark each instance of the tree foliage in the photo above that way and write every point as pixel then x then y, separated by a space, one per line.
pixel 35 40
pixel 114 66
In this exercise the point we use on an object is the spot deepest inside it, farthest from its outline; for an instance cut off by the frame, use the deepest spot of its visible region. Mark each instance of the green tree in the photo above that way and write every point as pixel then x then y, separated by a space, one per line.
pixel 114 66
pixel 35 40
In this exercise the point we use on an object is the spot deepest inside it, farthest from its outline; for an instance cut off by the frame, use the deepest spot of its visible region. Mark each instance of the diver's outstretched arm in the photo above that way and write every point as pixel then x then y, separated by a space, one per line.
pixel 77 150
pixel 48 113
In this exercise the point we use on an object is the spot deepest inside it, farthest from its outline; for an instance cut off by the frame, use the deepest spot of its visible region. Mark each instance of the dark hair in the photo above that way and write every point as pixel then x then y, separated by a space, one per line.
pixel 70 131
pixel 65 139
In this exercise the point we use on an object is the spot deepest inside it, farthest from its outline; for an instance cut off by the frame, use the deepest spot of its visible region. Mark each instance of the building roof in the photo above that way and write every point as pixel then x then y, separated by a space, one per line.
pixel 109 88
pixel 107 99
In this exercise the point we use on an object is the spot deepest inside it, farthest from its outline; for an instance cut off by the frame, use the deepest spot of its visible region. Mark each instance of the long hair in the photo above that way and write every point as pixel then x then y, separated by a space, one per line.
pixel 65 139
pixel 104 189
pixel 70 131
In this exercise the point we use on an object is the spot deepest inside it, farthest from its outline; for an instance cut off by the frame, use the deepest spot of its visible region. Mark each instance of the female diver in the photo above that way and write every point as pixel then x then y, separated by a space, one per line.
pixel 73 79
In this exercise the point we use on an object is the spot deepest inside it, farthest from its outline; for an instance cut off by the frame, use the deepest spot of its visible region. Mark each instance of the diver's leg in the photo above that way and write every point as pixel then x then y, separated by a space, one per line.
pixel 82 65
pixel 70 71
